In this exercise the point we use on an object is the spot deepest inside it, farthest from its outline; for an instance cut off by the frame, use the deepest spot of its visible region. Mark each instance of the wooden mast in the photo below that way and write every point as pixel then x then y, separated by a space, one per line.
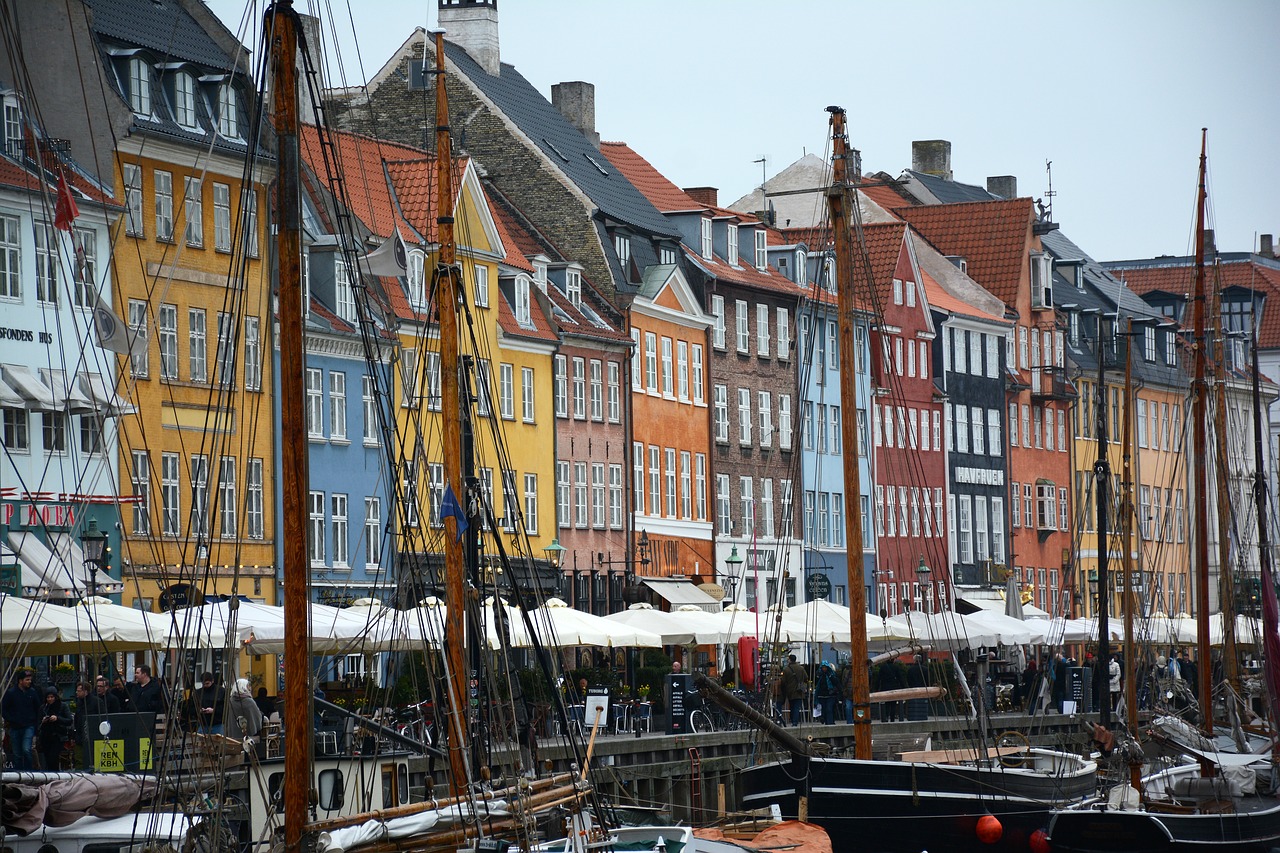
pixel 447 290
pixel 842 204
pixel 283 26
pixel 1226 588
pixel 1199 450
pixel 1126 533
pixel 1102 491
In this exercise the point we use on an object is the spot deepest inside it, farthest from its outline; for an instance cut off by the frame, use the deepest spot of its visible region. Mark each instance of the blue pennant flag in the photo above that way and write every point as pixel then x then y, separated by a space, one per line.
pixel 449 506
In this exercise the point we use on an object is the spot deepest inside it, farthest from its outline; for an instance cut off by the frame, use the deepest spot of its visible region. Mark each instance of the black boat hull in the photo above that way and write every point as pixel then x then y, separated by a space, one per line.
pixel 902 807
pixel 1089 831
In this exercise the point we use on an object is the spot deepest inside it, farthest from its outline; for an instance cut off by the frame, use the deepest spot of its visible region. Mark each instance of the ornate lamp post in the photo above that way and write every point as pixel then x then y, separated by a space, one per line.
pixel 732 565
pixel 924 575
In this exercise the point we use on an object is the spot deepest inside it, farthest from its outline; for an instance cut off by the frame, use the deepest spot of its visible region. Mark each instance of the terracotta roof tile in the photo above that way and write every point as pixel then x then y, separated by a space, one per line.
pixel 885 196
pixel 360 162
pixel 519 243
pixel 1176 277
pixel 25 177
pixel 942 299
pixel 651 183
pixel 992 237
pixel 541 330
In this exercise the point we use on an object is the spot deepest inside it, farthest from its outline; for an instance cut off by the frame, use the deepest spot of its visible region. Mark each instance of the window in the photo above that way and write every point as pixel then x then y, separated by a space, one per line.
pixel 228 111
pixel 993 432
pixel 252 355
pixel 637 476
pixel 253 501
pixel 141 487
pixel 706 238
pixel 937 430
pixel 46 263
pixel 597 495
pixel 982 545
pixel 1046 506
pixel 54 431
pixel 1170 348
pixel 762 249
pixel 744 416
pixel 668 380
pixel 561 386
pixel 1041 280
pixel 766 419
pixel 720 410
pixel 315 402
pixel 184 100
pixel 481 286
pixel 784 421
pixel 997 530
pixel 748 505
pixel 221 217
pixel 723 515
pixel 132 177
pixel 836 438
pixel 911 359
pixel 784 333
pixel 338 523
pixel 140 353
pixel 1062 431
pixel 897 291
pixel 169 497
pixel 682 370
pixel 225 359
pixel 196 352
pixel 700 486
pixel 315 525
pixel 164 205
pixel 743 325
pixel 579 389
pixel 615 497
pixel 573 287
pixel 580 494
pixel 651 362
pixel 193 211
pixel 833 345
pixel 139 86
pixel 10 258
pixel 732 239
pixel 506 391
pixel 344 298
pixel 227 497
pixel 526 392
pixel 669 455
pixel 91 433
pixel 167 325
pixel 807 426
pixel 965 528
pixel 822 535
pixel 1149 342
pixel 531 503
pixel 718 329
pixel 655 482
pixel 820 428
pixel 337 405
pixel 962 428
pixel 564 487
pixel 979 444
pixel 200 496
pixel 369 403
pixel 697 374
pixel 762 330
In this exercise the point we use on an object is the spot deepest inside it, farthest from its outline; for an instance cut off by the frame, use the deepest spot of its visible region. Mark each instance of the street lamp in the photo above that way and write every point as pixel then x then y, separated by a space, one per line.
pixel 555 553
pixel 94 543
pixel 732 563
pixel 923 575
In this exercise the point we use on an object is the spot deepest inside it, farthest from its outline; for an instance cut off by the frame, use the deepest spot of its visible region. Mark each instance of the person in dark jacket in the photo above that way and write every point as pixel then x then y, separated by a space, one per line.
pixel 21 710
pixel 890 675
pixel 1190 673
pixel 1058 690
pixel 826 690
pixel 204 707
pixel 99 702
pixel 147 695
pixel 55 730
pixel 121 691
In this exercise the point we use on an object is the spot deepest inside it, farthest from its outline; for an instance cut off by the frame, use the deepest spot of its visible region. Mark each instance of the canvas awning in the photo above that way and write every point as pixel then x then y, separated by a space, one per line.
pixel 679 592
pixel 104 397
pixel 35 394
pixel 70 550
pixel 67 395
pixel 39 565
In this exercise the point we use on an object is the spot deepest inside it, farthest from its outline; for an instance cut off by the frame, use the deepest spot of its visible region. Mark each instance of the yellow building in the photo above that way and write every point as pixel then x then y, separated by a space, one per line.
pixel 193 284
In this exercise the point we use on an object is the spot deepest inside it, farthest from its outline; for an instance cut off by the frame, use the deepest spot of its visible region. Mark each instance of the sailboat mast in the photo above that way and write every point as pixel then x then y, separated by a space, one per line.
pixel 1126 533
pixel 282 25
pixel 1102 488
pixel 1199 449
pixel 447 288
pixel 841 203
pixel 1225 584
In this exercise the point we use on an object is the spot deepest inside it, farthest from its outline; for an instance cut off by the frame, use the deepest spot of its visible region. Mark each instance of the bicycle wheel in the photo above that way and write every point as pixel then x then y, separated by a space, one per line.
pixel 700 722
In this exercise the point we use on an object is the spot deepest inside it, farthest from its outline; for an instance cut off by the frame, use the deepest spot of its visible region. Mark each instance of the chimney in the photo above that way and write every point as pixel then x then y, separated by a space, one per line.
pixel 311 32
pixel 706 196
pixel 1005 186
pixel 1265 247
pixel 1210 247
pixel 473 26
pixel 932 156
pixel 576 101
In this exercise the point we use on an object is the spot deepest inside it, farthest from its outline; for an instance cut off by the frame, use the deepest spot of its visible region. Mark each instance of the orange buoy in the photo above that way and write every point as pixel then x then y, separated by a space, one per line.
pixel 989 829
pixel 1040 842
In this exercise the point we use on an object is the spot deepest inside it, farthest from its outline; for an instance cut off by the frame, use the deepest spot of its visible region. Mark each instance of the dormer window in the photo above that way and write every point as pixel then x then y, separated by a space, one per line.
pixel 802 270
pixel 706 238
pixel 344 298
pixel 733 245
pixel 762 249
pixel 1073 327
pixel 1170 348
pixel 666 255
pixel 184 99
pixel 1149 343
pixel 12 126
pixel 829 274
pixel 540 274
pixel 416 277
pixel 1041 280
pixel 228 111
pixel 622 245
pixel 1080 277
pixel 139 86
pixel 573 287
pixel 523 315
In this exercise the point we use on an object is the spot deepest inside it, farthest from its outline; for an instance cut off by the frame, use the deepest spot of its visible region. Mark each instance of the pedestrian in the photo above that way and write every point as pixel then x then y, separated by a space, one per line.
pixel 204 707
pixel 147 695
pixel 890 675
pixel 245 718
pixel 55 730
pixel 826 691
pixel 96 704
pixel 1030 686
pixel 1058 685
pixel 20 708
pixel 1190 673
pixel 1113 683
pixel 265 703
pixel 795 687
pixel 119 690
pixel 845 677
pixel 79 720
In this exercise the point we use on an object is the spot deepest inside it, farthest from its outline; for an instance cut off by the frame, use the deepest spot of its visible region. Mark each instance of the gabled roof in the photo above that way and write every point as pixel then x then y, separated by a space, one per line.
pixel 1174 275
pixel 541 330
pixel 991 236
pixel 944 191
pixel 562 144
pixel 25 176
pixel 942 300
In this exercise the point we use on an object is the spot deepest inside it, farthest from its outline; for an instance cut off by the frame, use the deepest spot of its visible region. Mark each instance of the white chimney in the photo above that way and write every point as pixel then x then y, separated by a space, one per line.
pixel 473 26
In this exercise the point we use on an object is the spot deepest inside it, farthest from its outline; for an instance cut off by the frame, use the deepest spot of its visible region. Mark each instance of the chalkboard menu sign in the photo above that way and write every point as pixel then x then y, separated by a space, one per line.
pixel 678 705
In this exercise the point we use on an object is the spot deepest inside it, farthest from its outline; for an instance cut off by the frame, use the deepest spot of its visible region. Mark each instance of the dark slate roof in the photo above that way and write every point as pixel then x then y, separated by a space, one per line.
pixel 1131 304
pixel 951 192
pixel 162 26
pixel 563 145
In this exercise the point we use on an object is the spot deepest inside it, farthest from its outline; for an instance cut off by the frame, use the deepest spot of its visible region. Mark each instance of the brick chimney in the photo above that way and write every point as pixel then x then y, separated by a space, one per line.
pixel 1005 186
pixel 932 156
pixel 576 101
pixel 473 26
pixel 1210 246
pixel 708 196
pixel 1265 246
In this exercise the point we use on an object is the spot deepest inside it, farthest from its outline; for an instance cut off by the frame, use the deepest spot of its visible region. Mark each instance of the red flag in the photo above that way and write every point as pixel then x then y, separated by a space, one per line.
pixel 65 212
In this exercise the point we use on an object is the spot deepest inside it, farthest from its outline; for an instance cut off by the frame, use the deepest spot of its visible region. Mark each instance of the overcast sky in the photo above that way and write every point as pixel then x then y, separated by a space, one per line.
pixel 1113 93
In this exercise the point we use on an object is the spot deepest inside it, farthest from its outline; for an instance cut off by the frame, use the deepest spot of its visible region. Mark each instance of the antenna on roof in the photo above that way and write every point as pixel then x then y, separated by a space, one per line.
pixel 1046 209
pixel 766 206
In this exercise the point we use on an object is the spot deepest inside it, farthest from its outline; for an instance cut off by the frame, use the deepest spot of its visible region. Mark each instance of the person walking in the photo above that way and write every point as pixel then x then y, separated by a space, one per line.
pixel 890 676
pixel 21 709
pixel 55 729
pixel 147 695
pixel 205 706
pixel 826 692
pixel 795 686
pixel 845 677
pixel 244 720
pixel 1114 683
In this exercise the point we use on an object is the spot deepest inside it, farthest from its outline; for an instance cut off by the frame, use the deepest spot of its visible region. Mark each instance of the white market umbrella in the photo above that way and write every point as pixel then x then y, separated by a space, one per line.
pixel 677 628
pixel 1010 631
pixel 945 629
pixel 558 624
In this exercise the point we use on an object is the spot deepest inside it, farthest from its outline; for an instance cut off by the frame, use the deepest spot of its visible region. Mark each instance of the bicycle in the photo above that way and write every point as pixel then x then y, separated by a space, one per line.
pixel 700 722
